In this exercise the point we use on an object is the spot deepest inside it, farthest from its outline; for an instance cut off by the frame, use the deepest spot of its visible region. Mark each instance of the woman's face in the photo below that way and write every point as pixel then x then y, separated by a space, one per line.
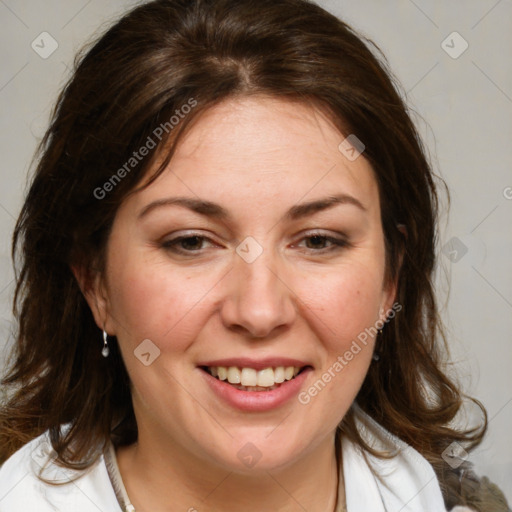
pixel 258 250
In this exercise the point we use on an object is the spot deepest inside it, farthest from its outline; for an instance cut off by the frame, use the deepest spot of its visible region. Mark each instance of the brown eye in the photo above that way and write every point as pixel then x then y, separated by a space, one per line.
pixel 185 244
pixel 323 243
pixel 191 243
pixel 316 242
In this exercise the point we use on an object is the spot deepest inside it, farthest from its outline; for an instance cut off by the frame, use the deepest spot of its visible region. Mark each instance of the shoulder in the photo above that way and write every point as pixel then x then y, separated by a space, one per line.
pixel 480 494
pixel 406 472
pixel 31 480
pixel 401 480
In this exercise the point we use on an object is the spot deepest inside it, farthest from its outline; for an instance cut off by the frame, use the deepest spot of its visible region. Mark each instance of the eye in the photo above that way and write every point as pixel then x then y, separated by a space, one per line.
pixel 194 244
pixel 187 244
pixel 318 242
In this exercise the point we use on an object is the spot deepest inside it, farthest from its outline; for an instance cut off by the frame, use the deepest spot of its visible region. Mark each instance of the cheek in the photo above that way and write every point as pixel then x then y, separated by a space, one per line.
pixel 149 301
pixel 345 302
pixel 342 312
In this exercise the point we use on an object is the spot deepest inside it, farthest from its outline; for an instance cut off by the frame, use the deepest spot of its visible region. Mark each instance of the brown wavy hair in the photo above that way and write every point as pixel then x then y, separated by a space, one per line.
pixel 136 76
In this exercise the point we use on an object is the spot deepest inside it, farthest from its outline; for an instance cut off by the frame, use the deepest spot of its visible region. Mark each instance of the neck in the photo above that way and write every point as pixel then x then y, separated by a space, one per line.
pixel 168 480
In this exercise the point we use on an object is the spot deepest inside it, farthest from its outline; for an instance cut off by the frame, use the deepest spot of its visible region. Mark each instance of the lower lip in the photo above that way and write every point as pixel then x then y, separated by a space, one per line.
pixel 256 400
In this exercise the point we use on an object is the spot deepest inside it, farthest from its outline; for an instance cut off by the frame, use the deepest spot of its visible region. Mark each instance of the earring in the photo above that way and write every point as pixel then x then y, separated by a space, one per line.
pixel 376 356
pixel 105 350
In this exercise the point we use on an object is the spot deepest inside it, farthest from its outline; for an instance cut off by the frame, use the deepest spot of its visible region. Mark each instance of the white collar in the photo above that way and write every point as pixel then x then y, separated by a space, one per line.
pixel 405 482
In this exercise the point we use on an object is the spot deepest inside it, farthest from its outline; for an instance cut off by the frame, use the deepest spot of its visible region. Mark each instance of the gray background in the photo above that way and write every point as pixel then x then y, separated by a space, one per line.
pixel 463 107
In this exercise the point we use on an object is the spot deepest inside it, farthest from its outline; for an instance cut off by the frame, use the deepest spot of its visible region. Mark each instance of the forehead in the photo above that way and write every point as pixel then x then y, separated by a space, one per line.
pixel 261 147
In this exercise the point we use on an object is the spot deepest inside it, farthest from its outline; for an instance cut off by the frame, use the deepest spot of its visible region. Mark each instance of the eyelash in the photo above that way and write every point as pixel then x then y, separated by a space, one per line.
pixel 337 243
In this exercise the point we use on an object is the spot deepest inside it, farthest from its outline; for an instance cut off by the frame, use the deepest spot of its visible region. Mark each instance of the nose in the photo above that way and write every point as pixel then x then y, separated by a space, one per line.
pixel 259 303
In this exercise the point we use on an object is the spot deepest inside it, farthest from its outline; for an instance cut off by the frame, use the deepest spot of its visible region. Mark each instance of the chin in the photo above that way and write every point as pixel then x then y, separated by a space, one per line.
pixel 262 450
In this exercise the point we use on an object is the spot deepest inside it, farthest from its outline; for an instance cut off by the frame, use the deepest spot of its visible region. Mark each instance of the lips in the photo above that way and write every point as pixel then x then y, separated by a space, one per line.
pixel 247 372
pixel 255 385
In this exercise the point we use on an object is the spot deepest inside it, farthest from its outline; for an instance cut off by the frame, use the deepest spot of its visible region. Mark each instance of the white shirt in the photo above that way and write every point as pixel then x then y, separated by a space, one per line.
pixel 404 483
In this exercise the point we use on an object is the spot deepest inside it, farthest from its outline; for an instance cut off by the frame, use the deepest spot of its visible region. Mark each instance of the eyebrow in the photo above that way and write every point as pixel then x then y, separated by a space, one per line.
pixel 214 210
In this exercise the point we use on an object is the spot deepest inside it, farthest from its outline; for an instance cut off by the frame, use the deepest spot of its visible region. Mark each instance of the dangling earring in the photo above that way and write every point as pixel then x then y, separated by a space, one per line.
pixel 376 356
pixel 105 351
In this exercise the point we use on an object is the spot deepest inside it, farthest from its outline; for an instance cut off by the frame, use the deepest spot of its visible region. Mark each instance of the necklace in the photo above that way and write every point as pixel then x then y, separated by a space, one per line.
pixel 115 479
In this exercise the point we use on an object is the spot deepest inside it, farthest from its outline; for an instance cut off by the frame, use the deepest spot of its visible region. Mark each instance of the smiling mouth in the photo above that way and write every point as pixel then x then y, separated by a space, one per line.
pixel 249 379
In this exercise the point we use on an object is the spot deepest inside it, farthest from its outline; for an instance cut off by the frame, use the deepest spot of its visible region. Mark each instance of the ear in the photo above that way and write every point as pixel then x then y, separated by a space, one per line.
pixel 388 299
pixel 391 288
pixel 95 292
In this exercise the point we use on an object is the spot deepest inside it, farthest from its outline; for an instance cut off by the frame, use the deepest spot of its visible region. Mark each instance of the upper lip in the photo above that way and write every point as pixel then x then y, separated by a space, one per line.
pixel 257 364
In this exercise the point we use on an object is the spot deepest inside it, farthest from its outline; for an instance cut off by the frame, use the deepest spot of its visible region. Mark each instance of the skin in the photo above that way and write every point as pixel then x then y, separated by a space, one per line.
pixel 303 298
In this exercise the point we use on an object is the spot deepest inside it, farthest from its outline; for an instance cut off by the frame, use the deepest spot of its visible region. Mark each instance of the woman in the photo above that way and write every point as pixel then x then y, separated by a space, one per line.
pixel 224 291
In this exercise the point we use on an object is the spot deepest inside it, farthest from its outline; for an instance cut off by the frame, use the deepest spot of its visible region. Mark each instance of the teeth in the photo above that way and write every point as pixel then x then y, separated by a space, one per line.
pixel 234 376
pixel 250 379
pixel 279 374
pixel 266 378
pixel 254 388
